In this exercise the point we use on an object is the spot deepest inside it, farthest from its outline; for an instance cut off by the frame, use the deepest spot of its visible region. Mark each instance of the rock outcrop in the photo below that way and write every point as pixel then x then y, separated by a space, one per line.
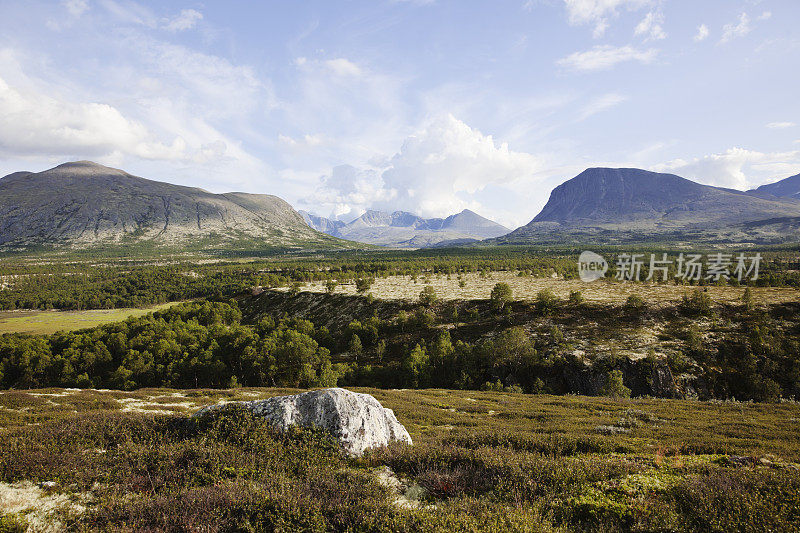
pixel 358 421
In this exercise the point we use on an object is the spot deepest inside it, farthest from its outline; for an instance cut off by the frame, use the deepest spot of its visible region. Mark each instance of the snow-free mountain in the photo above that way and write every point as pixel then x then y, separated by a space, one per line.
pixel 607 205
pixel 407 230
pixel 85 204
pixel 789 188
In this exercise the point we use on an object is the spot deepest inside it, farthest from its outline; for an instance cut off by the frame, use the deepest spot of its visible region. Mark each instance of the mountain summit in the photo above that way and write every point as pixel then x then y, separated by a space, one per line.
pixel 634 204
pixel 86 204
pixel 407 230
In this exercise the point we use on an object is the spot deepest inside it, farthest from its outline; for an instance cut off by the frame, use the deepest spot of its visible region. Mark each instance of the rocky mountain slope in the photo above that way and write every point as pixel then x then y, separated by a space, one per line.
pixel 627 204
pixel 85 204
pixel 407 230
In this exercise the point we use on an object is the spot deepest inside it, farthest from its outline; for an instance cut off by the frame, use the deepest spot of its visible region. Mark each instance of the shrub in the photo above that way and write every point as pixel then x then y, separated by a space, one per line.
pixel 699 303
pixel 614 386
pixel 635 304
pixel 501 295
pixel 330 286
pixel 427 296
pixel 546 301
pixel 363 284
pixel 575 298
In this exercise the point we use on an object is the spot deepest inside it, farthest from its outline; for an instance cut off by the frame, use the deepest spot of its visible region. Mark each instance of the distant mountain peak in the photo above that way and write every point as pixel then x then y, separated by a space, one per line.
pixel 404 229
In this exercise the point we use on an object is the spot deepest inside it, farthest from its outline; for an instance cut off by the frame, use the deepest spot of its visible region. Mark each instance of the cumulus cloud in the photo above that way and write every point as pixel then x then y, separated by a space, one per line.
pixel 33 123
pixel 702 33
pixel 740 29
pixel 186 20
pixel 434 174
pixel 651 27
pixel 780 125
pixel 736 168
pixel 604 57
pixel 598 12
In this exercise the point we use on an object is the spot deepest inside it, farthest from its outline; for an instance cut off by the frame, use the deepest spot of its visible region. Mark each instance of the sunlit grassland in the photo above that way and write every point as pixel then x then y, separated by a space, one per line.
pixel 47 322
pixel 481 461
pixel 471 286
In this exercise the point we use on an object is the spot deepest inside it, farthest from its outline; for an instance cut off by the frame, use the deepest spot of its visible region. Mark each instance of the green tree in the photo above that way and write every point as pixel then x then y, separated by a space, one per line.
pixel 364 284
pixel 380 350
pixel 415 366
pixel 428 296
pixel 747 299
pixel 330 286
pixel 614 386
pixel 500 295
pixel 354 347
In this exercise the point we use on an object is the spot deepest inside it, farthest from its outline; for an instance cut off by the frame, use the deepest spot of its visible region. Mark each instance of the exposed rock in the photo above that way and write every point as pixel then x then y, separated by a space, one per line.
pixel 358 421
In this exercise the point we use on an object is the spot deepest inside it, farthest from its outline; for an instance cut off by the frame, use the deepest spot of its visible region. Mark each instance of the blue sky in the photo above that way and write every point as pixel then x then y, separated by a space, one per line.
pixel 430 106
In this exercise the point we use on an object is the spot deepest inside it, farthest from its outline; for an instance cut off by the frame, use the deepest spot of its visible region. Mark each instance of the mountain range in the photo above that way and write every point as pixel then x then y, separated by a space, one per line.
pixel 627 204
pixel 85 204
pixel 407 230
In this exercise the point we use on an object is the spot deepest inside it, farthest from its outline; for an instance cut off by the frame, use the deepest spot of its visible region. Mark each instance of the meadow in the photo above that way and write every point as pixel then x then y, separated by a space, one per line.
pixel 47 322
pixel 92 460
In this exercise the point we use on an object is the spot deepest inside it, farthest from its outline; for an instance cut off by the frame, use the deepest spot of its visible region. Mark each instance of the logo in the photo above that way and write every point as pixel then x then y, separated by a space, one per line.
pixel 591 266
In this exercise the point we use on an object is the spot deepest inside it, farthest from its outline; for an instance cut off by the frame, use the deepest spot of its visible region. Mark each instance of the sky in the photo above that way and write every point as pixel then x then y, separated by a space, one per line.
pixel 428 106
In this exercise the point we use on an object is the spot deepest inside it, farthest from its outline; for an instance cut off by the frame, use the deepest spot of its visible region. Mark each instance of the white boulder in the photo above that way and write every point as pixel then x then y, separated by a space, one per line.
pixel 358 421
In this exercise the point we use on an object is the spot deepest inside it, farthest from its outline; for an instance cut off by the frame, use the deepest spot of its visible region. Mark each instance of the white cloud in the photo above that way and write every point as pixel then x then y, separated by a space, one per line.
pixel 651 27
pixel 736 168
pixel 766 15
pixel 343 67
pixel 306 141
pixel 601 103
pixel 186 20
pixel 597 12
pixel 435 173
pixel 209 83
pixel 781 125
pixel 603 57
pixel 76 8
pixel 740 29
pixel 702 33
pixel 35 124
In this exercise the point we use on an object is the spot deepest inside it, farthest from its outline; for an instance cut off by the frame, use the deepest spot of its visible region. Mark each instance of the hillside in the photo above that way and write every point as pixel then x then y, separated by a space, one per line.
pixel 631 204
pixel 407 230
pixel 788 187
pixel 83 204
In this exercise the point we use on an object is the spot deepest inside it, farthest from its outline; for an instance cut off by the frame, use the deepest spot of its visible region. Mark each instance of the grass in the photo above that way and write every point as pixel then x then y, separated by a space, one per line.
pixel 482 461
pixel 48 322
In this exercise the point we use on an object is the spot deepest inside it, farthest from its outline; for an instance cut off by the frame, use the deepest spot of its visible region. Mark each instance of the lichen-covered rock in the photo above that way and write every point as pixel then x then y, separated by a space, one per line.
pixel 358 421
